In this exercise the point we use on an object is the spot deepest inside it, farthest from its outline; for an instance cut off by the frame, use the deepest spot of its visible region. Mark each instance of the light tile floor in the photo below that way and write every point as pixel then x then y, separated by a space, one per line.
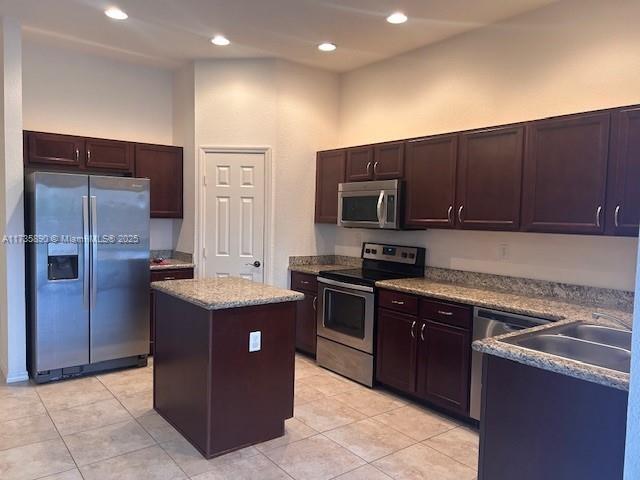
pixel 104 427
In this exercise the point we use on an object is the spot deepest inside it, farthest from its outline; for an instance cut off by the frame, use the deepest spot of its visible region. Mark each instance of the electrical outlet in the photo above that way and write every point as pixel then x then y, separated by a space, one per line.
pixel 503 251
pixel 255 341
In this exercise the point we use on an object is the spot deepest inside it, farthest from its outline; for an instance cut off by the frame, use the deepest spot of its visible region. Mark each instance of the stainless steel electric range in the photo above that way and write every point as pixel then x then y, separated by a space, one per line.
pixel 347 308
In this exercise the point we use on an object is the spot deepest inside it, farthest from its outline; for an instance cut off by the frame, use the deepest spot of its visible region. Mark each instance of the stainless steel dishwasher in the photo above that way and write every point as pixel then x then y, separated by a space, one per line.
pixel 491 323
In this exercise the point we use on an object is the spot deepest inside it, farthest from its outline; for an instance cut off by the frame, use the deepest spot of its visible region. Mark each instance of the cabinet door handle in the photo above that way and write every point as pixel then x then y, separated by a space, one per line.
pixel 422 331
pixel 77 154
pixel 442 312
pixel 375 168
pixel 598 213
pixel 449 212
pixel 460 213
pixel 88 155
pixel 315 303
pixel 397 302
pixel 304 282
pixel 413 333
pixel 169 278
pixel 616 216
pixel 368 169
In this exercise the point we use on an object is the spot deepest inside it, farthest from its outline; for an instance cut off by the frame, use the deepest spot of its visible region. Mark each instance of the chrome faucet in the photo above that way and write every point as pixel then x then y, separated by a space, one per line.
pixel 620 322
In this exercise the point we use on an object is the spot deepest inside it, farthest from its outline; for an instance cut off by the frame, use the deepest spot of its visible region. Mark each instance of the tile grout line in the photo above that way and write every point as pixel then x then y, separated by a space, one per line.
pixel 426 446
pixel 96 428
pixel 156 443
pixel 277 466
pixel 60 435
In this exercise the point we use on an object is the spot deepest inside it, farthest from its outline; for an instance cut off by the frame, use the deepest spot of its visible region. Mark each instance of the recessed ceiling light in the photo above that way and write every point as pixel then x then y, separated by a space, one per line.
pixel 397 18
pixel 327 47
pixel 116 13
pixel 220 40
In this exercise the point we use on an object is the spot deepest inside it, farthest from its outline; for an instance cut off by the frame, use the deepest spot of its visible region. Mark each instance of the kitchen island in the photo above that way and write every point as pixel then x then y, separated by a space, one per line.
pixel 224 360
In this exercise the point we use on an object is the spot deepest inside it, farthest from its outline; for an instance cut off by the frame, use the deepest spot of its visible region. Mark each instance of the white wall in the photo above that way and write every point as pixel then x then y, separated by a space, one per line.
pixel 290 108
pixel 184 117
pixel 632 459
pixel 572 56
pixel 67 91
pixel 12 279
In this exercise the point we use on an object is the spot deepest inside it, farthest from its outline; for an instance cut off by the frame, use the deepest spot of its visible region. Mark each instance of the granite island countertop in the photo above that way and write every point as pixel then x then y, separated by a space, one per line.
pixel 542 307
pixel 224 293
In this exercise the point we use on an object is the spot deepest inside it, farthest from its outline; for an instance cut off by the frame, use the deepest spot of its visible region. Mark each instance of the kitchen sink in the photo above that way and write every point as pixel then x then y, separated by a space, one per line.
pixel 598 334
pixel 558 342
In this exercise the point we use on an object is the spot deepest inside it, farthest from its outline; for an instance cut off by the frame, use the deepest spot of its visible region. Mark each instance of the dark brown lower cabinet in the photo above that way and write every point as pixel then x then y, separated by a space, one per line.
pixel 207 384
pixel 396 354
pixel 427 355
pixel 444 365
pixel 306 325
pixel 538 425
pixel 159 276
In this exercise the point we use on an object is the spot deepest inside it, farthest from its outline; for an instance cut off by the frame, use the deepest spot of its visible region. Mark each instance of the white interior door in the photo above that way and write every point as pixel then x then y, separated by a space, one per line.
pixel 234 223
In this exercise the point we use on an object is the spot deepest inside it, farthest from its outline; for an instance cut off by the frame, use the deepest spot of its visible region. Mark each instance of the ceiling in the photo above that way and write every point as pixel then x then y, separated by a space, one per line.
pixel 172 32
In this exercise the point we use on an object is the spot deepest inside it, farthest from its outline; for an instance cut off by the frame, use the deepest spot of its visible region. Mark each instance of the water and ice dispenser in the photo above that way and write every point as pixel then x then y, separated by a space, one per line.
pixel 62 261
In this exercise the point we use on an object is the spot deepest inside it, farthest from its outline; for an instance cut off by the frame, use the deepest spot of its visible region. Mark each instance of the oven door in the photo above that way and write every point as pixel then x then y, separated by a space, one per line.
pixel 369 208
pixel 346 314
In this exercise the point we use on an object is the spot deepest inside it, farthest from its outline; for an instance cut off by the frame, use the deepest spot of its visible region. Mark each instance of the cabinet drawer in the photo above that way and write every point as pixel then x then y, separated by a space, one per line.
pixel 304 281
pixel 447 313
pixel 173 274
pixel 400 302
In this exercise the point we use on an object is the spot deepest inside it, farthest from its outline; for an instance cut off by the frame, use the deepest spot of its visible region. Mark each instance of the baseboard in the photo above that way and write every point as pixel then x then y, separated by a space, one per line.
pixel 16 377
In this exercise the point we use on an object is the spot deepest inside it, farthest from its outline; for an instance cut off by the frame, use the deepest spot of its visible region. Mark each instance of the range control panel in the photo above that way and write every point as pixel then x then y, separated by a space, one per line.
pixel 392 253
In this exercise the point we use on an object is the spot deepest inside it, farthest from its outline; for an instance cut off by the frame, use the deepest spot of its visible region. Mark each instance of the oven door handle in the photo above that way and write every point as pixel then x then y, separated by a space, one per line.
pixel 380 209
pixel 350 286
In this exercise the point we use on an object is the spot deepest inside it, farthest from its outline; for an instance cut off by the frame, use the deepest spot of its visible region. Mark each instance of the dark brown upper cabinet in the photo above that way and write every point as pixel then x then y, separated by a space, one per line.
pixel 490 179
pixel 388 161
pixel 359 164
pixel 430 167
pixel 565 171
pixel 162 165
pixel 384 161
pixel 52 149
pixel 623 190
pixel 330 171
pixel 109 155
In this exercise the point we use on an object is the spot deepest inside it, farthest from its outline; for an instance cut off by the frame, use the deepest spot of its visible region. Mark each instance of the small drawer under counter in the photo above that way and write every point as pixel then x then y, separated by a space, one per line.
pixel 448 313
pixel 171 274
pixel 304 281
pixel 400 302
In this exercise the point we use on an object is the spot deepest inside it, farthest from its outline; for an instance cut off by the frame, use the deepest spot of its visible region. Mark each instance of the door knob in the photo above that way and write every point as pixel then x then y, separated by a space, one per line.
pixel 255 264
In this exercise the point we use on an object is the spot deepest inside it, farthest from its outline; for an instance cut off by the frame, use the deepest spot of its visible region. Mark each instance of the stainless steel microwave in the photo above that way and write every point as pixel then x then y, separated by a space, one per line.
pixel 370 204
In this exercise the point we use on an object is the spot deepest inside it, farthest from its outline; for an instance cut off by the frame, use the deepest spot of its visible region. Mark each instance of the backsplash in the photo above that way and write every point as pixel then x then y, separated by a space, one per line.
pixel 326 260
pixel 599 297
pixel 174 254
pixel 603 297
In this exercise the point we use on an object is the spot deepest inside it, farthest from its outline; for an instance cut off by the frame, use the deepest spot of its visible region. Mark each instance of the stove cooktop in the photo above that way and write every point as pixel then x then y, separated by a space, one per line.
pixel 361 276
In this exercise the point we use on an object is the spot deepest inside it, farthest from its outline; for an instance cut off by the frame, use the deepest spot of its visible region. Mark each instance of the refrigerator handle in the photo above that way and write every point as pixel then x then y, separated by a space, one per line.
pixel 94 252
pixel 85 250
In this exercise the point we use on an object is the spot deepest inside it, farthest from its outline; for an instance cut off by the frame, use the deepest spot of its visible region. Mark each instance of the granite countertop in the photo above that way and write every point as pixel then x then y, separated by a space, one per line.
pixel 541 307
pixel 223 293
pixel 171 263
pixel 316 268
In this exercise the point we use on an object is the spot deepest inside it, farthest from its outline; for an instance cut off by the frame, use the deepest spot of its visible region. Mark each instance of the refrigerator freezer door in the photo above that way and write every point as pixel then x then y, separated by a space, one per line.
pixel 120 267
pixel 59 307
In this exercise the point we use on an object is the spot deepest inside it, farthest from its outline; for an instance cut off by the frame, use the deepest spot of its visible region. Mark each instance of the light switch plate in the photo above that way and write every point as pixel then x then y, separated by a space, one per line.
pixel 255 341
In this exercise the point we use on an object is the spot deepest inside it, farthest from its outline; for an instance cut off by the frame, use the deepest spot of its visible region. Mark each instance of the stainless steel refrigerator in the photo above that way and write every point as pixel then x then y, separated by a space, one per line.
pixel 88 273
